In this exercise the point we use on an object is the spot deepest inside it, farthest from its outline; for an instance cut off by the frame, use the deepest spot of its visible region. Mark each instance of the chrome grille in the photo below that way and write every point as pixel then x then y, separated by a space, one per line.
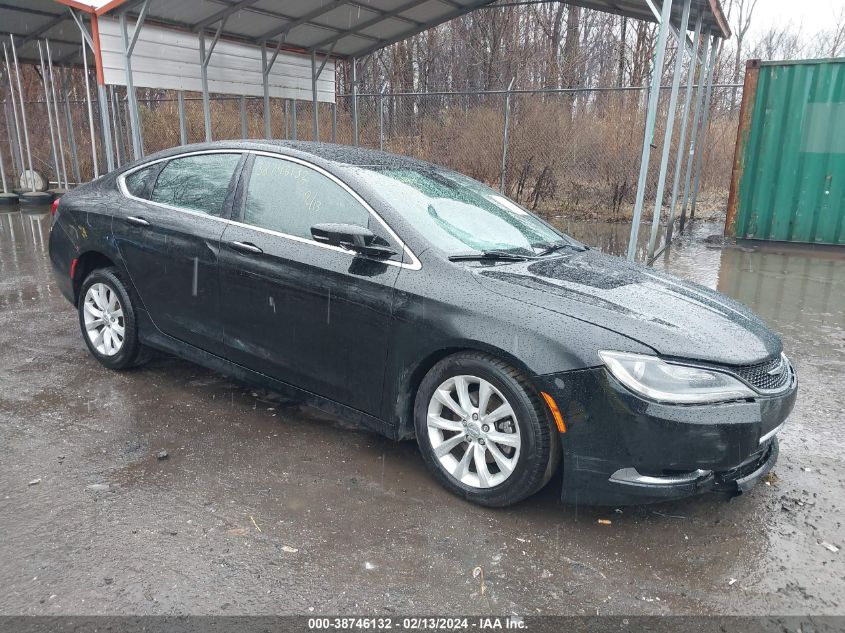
pixel 769 375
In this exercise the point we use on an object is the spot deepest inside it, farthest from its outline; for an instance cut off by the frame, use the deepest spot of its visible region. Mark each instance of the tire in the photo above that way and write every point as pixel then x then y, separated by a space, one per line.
pixel 130 352
pixel 528 446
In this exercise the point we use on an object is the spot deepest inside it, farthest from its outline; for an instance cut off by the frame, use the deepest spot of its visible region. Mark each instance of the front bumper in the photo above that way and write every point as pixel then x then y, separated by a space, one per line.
pixel 620 449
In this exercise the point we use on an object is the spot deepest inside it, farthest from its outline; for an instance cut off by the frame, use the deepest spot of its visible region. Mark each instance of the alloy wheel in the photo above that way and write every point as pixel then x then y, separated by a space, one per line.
pixel 104 320
pixel 473 431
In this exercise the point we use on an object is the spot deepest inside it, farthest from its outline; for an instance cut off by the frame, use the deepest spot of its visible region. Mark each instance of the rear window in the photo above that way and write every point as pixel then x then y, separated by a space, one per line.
pixel 139 183
pixel 198 183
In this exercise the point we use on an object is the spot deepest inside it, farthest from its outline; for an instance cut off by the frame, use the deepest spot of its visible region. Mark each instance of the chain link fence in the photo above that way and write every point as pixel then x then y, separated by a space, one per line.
pixel 569 154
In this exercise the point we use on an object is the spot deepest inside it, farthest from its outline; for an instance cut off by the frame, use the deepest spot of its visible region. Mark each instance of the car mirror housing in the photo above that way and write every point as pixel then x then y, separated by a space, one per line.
pixel 351 237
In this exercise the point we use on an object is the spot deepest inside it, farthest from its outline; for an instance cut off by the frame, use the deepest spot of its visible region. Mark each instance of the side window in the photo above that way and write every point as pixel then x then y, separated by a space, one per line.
pixel 290 198
pixel 198 183
pixel 139 183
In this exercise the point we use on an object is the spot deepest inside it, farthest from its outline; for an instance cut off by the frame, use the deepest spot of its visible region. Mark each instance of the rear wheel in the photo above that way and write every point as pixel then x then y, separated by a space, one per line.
pixel 107 320
pixel 483 430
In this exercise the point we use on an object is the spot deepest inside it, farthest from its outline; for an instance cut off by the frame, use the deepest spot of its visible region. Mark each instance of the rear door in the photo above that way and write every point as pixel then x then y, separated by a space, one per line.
pixel 169 233
pixel 306 313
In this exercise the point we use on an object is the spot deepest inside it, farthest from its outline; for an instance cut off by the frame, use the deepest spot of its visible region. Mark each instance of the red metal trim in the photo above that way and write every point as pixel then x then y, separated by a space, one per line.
pixel 98 54
pixel 719 15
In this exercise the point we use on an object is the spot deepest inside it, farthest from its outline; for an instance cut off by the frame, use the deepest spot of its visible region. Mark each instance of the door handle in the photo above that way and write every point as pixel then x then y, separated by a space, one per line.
pixel 134 219
pixel 246 247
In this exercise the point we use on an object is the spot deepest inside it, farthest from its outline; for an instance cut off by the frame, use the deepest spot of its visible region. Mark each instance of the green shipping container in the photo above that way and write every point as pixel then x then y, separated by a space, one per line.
pixel 789 170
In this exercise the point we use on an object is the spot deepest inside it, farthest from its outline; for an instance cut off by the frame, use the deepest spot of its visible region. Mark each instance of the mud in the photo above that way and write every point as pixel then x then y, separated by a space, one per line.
pixel 265 508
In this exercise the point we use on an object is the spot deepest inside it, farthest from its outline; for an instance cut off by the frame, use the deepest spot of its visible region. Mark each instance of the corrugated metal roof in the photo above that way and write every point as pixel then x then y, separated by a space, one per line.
pixel 31 20
pixel 344 28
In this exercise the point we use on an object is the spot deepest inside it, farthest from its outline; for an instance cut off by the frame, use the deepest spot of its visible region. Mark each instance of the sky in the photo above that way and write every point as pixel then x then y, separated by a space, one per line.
pixel 812 15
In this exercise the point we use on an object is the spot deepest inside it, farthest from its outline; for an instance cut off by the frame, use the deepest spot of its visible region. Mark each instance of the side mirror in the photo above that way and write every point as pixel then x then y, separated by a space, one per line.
pixel 351 237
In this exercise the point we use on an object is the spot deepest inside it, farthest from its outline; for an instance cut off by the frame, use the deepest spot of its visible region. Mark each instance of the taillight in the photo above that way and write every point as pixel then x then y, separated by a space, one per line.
pixel 54 207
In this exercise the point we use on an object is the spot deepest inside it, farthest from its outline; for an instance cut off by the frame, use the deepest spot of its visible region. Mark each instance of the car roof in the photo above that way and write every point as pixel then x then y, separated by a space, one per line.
pixel 323 152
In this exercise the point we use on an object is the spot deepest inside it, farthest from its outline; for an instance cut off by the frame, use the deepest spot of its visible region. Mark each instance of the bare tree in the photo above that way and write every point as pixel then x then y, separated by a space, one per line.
pixel 743 16
pixel 779 42
pixel 836 36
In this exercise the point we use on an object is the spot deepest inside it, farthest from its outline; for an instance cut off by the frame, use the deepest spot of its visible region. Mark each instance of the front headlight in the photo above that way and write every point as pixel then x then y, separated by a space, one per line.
pixel 666 382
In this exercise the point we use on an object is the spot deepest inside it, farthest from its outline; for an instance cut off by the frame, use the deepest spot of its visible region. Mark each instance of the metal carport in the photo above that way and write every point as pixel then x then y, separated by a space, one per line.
pixel 351 29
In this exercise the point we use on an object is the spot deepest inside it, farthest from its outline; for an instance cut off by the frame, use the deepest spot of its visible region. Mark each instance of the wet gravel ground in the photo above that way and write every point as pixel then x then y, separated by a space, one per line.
pixel 261 508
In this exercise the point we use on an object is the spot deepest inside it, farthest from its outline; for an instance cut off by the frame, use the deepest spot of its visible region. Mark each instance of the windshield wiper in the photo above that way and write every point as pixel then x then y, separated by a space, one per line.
pixel 501 256
pixel 559 246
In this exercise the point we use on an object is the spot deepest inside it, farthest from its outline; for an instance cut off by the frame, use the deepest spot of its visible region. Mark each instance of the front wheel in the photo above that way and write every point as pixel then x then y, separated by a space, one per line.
pixel 107 320
pixel 483 431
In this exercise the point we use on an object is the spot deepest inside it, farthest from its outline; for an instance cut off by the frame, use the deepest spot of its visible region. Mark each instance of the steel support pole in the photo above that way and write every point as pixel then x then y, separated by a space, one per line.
pixel 134 117
pixel 115 122
pixel 3 172
pixel 205 57
pixel 105 124
pixel 56 113
pixel 102 98
pixel 71 134
pixel 651 115
pixel 354 102
pixel 670 130
pixel 705 123
pixel 293 124
pixel 265 71
pixel 244 126
pixel 315 112
pixel 17 163
pixel 183 124
pixel 117 125
pixel 15 112
pixel 90 111
pixel 505 137
pixel 696 119
pixel 53 149
pixel 334 121
pixel 381 117
pixel 682 137
pixel 23 113
pixel 206 106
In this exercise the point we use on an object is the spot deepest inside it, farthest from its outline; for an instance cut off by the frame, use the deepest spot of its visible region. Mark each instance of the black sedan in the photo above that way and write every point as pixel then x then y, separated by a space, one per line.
pixel 421 303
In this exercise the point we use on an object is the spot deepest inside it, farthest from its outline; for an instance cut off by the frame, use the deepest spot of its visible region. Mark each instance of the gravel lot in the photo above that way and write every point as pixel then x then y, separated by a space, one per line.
pixel 262 508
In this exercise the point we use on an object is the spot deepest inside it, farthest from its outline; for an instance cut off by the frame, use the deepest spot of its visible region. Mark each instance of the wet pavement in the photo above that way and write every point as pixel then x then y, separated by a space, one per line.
pixel 260 508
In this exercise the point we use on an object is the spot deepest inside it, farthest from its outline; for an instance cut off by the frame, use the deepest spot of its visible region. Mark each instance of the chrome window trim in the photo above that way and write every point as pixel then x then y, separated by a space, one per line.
pixel 414 264
pixel 123 189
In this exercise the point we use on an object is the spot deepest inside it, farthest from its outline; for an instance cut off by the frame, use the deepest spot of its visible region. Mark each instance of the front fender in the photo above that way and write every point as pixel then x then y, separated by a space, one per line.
pixel 431 322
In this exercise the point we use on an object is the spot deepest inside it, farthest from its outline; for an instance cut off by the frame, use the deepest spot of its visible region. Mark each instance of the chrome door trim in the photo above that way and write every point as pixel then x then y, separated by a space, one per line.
pixel 121 184
pixel 414 264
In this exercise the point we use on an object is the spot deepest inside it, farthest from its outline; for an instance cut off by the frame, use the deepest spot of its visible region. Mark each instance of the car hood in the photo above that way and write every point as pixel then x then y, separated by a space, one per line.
pixel 676 318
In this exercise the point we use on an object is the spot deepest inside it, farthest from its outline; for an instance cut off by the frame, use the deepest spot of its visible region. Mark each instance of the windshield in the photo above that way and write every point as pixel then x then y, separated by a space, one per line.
pixel 458 214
